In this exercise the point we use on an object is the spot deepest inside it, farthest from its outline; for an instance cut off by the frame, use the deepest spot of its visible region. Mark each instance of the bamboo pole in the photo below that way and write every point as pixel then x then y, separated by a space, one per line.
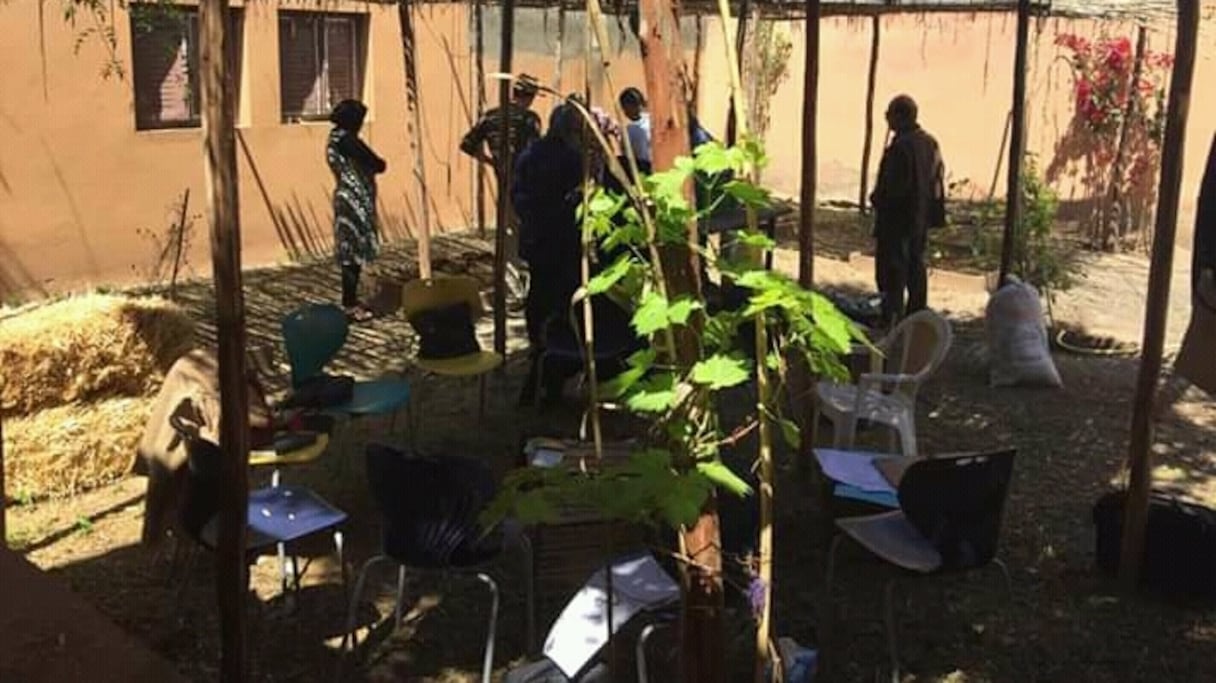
pixel 1157 304
pixel 479 78
pixel 503 158
pixel 223 215
pixel 867 143
pixel 409 49
pixel 810 114
pixel 1017 143
pixel 732 116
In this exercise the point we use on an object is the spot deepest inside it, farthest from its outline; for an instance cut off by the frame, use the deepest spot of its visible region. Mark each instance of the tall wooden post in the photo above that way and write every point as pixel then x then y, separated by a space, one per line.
pixel 732 116
pixel 810 116
pixel 863 196
pixel 1139 456
pixel 223 216
pixel 1017 142
pixel 409 49
pixel 479 79
pixel 3 506
pixel 503 158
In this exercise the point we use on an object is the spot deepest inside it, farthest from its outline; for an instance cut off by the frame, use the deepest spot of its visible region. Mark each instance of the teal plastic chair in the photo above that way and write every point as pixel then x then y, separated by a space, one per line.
pixel 313 335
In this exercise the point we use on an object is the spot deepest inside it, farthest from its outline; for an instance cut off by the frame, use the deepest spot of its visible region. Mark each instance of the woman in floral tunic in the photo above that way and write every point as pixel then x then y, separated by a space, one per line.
pixel 355 166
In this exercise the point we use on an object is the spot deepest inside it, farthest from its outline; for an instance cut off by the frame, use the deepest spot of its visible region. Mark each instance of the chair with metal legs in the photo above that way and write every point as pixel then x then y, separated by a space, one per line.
pixel 949 521
pixel 430 508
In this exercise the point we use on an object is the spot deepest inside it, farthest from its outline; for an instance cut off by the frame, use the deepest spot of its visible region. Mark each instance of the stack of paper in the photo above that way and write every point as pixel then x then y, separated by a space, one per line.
pixel 638 583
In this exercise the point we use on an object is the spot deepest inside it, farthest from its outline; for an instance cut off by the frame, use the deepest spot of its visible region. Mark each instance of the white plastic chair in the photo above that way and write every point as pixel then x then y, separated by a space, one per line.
pixel 913 351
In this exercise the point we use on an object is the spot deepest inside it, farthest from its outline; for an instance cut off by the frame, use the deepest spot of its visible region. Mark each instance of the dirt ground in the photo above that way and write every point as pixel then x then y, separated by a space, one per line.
pixel 1063 622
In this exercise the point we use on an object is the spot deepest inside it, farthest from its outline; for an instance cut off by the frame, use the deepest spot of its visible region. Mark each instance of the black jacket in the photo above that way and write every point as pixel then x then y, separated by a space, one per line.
pixel 909 182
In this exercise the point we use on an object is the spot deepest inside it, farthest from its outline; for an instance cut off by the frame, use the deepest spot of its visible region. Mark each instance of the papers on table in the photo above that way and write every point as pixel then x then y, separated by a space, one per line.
pixel 638 583
pixel 855 468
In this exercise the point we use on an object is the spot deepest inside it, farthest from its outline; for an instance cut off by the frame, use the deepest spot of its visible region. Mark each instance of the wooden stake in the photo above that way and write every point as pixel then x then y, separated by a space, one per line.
pixel 1017 143
pixel 223 216
pixel 810 115
pixel 1139 456
pixel 1000 156
pixel 732 116
pixel 863 196
pixel 413 108
pixel 479 76
pixel 503 158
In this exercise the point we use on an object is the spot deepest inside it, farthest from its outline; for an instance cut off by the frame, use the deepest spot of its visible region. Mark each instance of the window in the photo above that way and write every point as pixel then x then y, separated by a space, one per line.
pixel 164 60
pixel 320 62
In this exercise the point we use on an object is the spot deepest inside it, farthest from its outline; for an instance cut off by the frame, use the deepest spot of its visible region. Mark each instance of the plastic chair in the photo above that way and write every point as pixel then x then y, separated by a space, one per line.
pixel 914 350
pixel 426 295
pixel 949 521
pixel 430 509
pixel 313 335
pixel 277 515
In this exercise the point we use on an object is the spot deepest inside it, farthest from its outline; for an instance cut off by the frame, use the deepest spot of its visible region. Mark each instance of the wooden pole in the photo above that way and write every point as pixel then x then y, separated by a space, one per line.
pixel 3 499
pixel 479 75
pixel 409 50
pixel 1157 303
pixel 559 51
pixel 1000 155
pixel 503 158
pixel 702 634
pixel 810 115
pixel 1017 143
pixel 732 116
pixel 223 216
pixel 863 196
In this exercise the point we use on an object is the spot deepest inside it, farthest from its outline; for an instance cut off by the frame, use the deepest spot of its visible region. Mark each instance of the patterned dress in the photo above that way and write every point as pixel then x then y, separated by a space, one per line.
pixel 356 239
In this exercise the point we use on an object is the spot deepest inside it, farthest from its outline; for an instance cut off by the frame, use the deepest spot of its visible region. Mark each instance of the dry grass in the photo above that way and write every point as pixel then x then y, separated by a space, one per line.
pixel 65 450
pixel 86 348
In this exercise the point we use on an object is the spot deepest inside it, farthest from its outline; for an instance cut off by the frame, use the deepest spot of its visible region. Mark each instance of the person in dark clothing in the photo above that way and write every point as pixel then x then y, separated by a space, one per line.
pixel 355 166
pixel 547 190
pixel 908 189
pixel 1203 259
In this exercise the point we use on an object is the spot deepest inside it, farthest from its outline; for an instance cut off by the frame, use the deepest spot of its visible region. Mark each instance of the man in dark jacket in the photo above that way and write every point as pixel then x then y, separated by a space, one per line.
pixel 908 200
pixel 547 190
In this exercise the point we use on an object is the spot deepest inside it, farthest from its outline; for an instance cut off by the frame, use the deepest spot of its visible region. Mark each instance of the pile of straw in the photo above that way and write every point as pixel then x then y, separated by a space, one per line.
pixel 88 347
pixel 65 450
pixel 76 384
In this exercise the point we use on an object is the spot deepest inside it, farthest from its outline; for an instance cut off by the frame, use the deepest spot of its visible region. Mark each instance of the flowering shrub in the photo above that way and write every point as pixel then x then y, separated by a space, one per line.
pixel 1113 142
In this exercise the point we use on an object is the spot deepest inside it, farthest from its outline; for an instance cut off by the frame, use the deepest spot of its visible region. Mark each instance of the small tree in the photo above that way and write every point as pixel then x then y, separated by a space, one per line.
pixel 1113 142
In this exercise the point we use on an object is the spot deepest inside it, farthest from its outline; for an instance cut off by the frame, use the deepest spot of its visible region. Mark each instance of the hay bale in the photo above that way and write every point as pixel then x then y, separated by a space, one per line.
pixel 88 347
pixel 65 450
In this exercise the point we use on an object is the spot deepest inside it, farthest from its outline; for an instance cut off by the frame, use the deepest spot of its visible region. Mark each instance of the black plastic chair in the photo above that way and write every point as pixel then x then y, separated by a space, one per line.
pixel 949 521
pixel 431 507
pixel 563 342
pixel 277 515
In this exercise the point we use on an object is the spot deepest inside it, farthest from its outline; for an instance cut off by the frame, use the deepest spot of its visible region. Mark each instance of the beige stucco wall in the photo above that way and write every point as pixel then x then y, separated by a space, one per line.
pixel 78 183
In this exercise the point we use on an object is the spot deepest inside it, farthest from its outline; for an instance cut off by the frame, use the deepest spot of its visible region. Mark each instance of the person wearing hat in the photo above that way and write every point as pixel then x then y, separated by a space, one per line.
pixel 355 166
pixel 908 199
pixel 483 143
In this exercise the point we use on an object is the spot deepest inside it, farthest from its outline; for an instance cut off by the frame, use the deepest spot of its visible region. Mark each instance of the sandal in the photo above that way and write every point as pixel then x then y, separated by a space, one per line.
pixel 359 314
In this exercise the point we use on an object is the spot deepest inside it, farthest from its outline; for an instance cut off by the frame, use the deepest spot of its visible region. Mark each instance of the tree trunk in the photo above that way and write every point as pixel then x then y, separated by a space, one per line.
pixel 702 637
pixel 413 108
pixel 863 197
pixel 1017 144
pixel 1139 455
pixel 503 154
pixel 810 115
pixel 223 214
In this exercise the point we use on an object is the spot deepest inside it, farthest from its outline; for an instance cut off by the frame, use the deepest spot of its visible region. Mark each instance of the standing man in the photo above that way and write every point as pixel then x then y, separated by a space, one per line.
pixel 523 128
pixel 908 199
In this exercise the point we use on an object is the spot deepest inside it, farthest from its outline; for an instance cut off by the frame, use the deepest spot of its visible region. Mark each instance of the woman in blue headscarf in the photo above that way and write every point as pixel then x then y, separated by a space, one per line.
pixel 355 166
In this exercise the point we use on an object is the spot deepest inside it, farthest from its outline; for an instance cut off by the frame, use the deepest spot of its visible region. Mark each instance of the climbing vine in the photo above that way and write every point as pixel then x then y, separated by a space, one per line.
pixel 1112 145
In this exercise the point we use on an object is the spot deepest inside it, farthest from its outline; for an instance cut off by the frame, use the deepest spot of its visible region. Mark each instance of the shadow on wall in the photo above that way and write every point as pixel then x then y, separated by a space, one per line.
pixel 16 281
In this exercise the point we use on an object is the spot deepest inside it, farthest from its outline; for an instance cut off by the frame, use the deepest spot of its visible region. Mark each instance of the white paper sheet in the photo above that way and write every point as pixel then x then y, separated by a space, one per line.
pixel 855 468
pixel 638 583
